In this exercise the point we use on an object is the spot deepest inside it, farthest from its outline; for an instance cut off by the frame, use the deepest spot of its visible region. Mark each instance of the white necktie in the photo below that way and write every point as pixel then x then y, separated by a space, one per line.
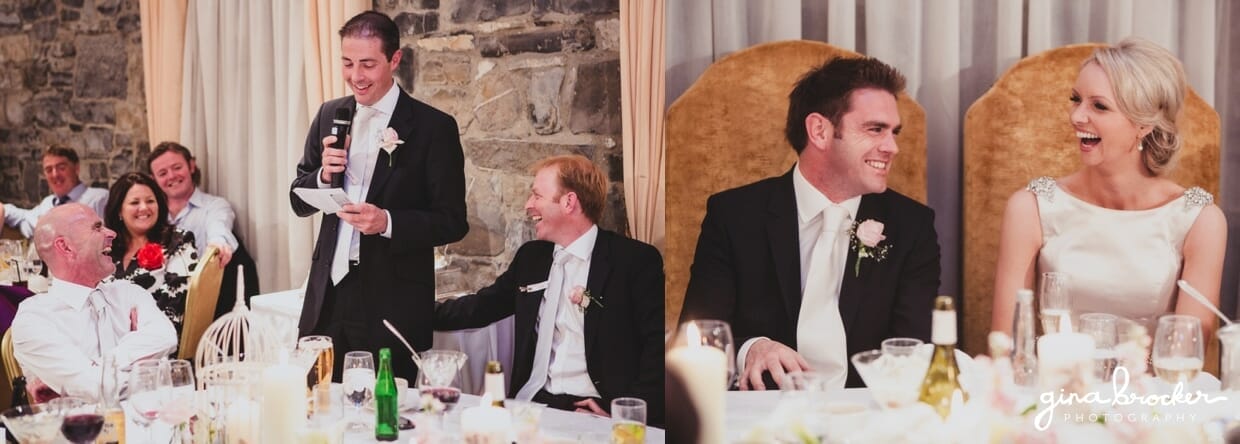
pixel 103 326
pixel 348 240
pixel 546 327
pixel 820 329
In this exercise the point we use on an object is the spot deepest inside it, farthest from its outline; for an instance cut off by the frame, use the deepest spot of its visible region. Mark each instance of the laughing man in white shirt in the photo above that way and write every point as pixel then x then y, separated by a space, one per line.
pixel 60 168
pixel 60 338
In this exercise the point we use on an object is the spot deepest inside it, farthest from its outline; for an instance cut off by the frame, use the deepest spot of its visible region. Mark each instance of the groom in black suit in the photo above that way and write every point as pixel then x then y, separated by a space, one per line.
pixel 593 297
pixel 404 167
pixel 756 256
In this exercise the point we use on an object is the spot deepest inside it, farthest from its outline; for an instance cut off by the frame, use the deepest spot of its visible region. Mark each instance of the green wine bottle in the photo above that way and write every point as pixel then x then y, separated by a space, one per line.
pixel 942 378
pixel 386 399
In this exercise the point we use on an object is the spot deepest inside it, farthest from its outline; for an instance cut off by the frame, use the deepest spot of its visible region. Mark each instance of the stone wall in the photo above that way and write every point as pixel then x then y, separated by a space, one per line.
pixel 70 74
pixel 525 79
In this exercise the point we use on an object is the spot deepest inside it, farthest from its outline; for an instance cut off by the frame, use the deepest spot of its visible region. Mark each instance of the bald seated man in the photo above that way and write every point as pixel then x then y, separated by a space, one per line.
pixel 61 338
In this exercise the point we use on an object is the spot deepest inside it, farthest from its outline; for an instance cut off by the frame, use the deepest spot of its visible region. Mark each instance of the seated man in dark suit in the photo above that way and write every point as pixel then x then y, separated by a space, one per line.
pixel 824 261
pixel 588 302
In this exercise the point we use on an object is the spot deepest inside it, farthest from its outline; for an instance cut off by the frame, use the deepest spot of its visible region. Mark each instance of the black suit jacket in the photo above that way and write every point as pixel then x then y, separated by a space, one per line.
pixel 424 190
pixel 747 268
pixel 623 332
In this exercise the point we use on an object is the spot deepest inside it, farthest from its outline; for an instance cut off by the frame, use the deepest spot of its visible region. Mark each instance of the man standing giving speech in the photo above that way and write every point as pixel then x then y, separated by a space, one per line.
pixel 403 167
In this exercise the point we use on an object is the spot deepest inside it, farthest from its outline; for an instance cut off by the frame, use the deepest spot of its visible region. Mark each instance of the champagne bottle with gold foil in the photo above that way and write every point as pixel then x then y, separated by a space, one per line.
pixel 942 379
pixel 494 383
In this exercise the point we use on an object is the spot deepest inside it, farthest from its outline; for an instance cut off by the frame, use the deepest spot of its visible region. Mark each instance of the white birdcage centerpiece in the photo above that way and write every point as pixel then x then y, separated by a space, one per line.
pixel 236 347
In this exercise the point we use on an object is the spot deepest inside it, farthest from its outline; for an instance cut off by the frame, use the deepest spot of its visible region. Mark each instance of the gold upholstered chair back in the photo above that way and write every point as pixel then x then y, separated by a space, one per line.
pixel 1018 131
pixel 727 130
pixel 204 292
pixel 11 370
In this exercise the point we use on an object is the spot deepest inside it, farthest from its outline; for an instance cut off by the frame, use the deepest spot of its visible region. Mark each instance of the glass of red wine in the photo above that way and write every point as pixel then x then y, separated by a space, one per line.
pixel 82 424
pixel 438 375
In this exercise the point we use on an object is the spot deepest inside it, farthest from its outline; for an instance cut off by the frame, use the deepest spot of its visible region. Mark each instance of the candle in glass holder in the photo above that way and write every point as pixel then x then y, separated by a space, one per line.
pixel 704 372
pixel 486 424
pixel 284 401
pixel 1063 356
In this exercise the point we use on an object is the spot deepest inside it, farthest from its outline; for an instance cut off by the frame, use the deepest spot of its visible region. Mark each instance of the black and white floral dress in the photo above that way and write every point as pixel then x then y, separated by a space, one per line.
pixel 170 283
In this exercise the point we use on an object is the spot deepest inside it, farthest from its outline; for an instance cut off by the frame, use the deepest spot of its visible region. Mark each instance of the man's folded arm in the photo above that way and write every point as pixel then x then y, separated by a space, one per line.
pixel 154 336
pixel 48 355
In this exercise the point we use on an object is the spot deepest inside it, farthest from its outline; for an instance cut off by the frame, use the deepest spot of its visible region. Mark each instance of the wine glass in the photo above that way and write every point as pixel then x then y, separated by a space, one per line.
pixel 1103 328
pixel 82 422
pixel 710 333
pixel 1178 348
pixel 148 384
pixel 358 383
pixel 438 374
pixel 319 374
pixel 1056 309
pixel 180 402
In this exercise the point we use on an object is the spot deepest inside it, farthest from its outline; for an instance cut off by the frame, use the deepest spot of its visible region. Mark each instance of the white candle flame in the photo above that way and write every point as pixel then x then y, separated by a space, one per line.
pixel 693 337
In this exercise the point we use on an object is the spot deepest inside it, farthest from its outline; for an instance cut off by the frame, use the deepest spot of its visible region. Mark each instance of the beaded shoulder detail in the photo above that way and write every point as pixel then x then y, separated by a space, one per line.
pixel 1196 197
pixel 1044 187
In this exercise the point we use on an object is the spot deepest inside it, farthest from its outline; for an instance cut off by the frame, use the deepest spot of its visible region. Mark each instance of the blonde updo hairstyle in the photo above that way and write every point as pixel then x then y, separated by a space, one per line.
pixel 1149 86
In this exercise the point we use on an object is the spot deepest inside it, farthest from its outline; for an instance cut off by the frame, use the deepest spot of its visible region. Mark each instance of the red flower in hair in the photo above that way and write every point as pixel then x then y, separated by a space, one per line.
pixel 151 256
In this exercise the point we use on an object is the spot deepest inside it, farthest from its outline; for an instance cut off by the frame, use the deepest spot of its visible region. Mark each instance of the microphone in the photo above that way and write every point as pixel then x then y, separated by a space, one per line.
pixel 341 122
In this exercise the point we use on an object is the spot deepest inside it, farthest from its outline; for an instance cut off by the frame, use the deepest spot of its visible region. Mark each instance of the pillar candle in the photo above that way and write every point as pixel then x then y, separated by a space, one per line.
pixel 704 371
pixel 284 401
pixel 486 424
pixel 1060 355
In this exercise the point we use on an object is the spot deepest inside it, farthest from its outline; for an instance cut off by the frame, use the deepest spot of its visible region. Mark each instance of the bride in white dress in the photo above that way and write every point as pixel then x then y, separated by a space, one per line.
pixel 1122 231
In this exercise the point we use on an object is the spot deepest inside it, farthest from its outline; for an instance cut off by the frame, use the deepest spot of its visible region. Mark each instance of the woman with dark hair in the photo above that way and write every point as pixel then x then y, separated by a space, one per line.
pixel 149 251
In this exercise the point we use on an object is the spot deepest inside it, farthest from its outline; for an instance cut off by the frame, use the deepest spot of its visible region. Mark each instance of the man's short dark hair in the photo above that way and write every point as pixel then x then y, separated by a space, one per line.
pixel 827 90
pixel 65 152
pixel 165 147
pixel 374 24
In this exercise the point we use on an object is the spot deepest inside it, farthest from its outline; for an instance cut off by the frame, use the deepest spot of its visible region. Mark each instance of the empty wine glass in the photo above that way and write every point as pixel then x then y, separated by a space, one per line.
pixel 358 383
pixel 711 333
pixel 1054 302
pixel 180 402
pixel 148 383
pixel 1103 328
pixel 1178 348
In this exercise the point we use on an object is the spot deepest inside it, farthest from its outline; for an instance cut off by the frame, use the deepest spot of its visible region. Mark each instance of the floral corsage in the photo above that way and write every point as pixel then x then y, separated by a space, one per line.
pixel 582 298
pixel 865 238
pixel 151 256
pixel 388 143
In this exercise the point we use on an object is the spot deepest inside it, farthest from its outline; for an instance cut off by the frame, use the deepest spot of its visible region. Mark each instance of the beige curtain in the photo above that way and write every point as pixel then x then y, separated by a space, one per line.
pixel 244 115
pixel 324 18
pixel 163 42
pixel 642 83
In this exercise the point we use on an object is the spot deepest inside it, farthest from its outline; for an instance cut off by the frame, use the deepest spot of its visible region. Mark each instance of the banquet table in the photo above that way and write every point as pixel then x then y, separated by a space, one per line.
pixel 493 342
pixel 555 427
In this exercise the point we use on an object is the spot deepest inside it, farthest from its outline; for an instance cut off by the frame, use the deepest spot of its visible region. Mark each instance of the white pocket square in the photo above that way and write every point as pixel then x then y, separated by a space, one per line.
pixel 533 287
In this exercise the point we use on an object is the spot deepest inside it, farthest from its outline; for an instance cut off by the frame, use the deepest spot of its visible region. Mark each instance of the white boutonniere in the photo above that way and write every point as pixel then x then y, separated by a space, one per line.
pixel 865 239
pixel 388 141
pixel 581 298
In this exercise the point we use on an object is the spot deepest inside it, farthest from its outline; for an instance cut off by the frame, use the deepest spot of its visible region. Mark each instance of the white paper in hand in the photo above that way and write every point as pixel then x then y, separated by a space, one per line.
pixel 327 200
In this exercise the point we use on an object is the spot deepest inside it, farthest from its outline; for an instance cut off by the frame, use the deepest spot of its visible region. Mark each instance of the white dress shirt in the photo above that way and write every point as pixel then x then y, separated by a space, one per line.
pixel 810 205
pixel 566 374
pixel 368 147
pixel 55 338
pixel 25 220
pixel 210 218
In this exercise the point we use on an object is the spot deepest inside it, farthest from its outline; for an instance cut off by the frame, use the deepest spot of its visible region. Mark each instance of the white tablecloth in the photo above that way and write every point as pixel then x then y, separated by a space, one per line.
pixel 493 342
pixel 744 410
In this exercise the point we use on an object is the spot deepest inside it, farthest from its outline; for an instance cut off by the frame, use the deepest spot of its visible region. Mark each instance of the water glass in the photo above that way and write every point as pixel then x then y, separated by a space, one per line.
pixel 628 421
pixel 1103 328
pixel 900 347
pixel 1178 348
pixel 525 415
pixel 358 383
pixel 1055 304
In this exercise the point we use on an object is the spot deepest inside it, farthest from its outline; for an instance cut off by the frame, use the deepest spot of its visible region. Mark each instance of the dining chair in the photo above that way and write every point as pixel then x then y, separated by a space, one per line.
pixel 727 130
pixel 10 368
pixel 204 291
pixel 1017 131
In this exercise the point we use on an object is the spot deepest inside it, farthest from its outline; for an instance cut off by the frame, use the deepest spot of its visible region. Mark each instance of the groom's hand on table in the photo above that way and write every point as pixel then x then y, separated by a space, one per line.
pixel 589 405
pixel 766 355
